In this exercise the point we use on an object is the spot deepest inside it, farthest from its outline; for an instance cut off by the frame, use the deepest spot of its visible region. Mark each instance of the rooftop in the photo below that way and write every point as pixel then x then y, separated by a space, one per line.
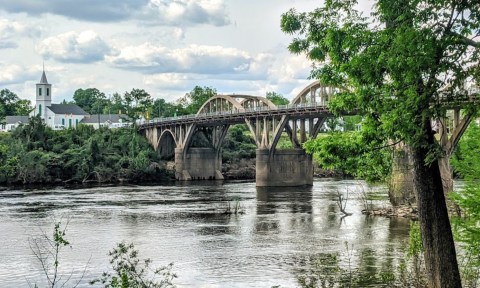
pixel 67 109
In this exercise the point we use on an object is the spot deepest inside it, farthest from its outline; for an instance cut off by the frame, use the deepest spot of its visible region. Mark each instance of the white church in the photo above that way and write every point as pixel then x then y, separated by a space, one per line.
pixel 56 116
pixel 61 116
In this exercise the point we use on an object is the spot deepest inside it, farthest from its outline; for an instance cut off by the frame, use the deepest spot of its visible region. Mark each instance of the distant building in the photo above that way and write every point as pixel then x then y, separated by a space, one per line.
pixel 62 116
pixel 56 116
pixel 12 122
pixel 106 120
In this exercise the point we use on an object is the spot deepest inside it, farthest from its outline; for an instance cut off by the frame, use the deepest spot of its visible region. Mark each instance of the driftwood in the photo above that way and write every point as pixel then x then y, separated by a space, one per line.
pixel 342 203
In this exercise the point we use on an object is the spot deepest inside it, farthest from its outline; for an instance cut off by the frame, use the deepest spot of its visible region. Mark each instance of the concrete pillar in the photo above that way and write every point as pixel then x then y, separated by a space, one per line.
pixel 289 167
pixel 401 187
pixel 198 164
pixel 401 190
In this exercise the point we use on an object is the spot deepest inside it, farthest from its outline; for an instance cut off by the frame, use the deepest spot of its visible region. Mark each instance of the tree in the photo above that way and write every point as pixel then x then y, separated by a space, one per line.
pixel 193 100
pixel 117 104
pixel 346 152
pixel 390 67
pixel 23 107
pixel 47 250
pixel 137 103
pixel 130 271
pixel 11 105
pixel 89 99
pixel 7 103
pixel 161 108
pixel 277 99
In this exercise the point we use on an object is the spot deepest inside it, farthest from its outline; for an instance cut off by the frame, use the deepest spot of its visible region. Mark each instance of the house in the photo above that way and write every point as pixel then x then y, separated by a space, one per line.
pixel 12 122
pixel 106 120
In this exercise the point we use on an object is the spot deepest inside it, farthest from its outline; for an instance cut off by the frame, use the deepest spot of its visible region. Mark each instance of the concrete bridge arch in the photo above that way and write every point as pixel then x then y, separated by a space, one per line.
pixel 167 144
pixel 198 138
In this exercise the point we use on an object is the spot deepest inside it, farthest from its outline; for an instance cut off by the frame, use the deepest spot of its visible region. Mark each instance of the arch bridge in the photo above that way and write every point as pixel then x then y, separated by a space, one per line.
pixel 195 141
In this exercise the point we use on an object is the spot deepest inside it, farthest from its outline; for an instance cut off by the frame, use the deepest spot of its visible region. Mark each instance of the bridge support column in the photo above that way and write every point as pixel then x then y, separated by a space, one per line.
pixel 289 167
pixel 401 189
pixel 198 164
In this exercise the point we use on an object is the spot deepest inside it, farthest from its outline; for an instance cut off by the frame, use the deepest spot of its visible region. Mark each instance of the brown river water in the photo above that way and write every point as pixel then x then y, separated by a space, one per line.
pixel 270 244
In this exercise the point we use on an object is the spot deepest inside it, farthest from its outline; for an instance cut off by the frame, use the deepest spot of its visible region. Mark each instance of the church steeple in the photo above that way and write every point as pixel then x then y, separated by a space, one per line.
pixel 43 80
pixel 44 96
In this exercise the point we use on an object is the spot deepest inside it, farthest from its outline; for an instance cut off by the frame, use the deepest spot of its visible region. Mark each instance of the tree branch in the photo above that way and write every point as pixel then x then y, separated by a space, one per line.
pixel 464 40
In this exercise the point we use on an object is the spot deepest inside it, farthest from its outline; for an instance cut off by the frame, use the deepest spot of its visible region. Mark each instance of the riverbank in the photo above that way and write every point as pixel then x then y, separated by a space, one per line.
pixel 161 172
pixel 391 212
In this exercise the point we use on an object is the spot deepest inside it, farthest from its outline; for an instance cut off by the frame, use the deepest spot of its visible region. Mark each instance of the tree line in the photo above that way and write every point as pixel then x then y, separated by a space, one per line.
pixel 135 104
pixel 34 154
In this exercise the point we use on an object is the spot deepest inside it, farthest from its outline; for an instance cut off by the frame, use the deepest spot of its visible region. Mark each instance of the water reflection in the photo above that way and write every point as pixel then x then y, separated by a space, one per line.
pixel 282 230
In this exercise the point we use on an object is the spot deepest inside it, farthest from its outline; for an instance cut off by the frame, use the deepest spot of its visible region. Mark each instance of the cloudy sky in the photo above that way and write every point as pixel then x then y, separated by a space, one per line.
pixel 163 46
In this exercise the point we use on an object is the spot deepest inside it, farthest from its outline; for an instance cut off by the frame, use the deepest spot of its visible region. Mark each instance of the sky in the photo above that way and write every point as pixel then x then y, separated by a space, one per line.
pixel 165 47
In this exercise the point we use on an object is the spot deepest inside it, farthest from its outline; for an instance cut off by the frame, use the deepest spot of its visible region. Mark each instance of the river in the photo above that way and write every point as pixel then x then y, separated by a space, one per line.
pixel 271 243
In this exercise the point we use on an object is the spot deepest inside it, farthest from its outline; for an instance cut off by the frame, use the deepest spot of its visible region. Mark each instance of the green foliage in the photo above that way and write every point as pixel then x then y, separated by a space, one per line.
pixel 91 100
pixel 130 271
pixel 7 103
pixel 238 145
pixel 350 122
pixel 137 103
pixel 390 66
pixel 467 229
pixel 346 152
pixel 284 142
pixel 11 105
pixel 23 107
pixel 397 68
pixel 34 153
pixel 466 162
pixel 415 246
pixel 161 108
pixel 277 99
pixel 116 104
pixel 47 250
pixel 134 103
pixel 193 100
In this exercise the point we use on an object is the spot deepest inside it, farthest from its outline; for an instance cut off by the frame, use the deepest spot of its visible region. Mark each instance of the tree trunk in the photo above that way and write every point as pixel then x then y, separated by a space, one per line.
pixel 437 238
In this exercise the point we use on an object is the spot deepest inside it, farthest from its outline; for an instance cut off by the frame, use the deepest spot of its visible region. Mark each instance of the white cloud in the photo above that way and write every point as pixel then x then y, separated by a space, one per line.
pixel 183 46
pixel 186 12
pixel 83 47
pixel 151 59
pixel 90 10
pixel 10 31
pixel 165 12
pixel 15 74
pixel 280 72
pixel 290 67
pixel 173 81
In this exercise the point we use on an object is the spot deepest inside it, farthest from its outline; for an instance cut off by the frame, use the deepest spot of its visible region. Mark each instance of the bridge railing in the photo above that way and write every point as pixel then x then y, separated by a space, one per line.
pixel 232 112
pixel 471 96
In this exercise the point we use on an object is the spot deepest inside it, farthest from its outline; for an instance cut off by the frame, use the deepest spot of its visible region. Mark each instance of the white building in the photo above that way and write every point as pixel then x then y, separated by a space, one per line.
pixel 106 120
pixel 56 116
pixel 62 116
pixel 12 122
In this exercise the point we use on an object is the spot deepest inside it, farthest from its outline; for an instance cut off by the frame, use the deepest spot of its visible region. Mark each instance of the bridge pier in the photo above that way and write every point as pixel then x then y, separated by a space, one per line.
pixel 286 167
pixel 198 164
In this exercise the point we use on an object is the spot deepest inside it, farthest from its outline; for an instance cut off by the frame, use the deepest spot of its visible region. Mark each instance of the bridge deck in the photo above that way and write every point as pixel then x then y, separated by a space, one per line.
pixel 235 117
